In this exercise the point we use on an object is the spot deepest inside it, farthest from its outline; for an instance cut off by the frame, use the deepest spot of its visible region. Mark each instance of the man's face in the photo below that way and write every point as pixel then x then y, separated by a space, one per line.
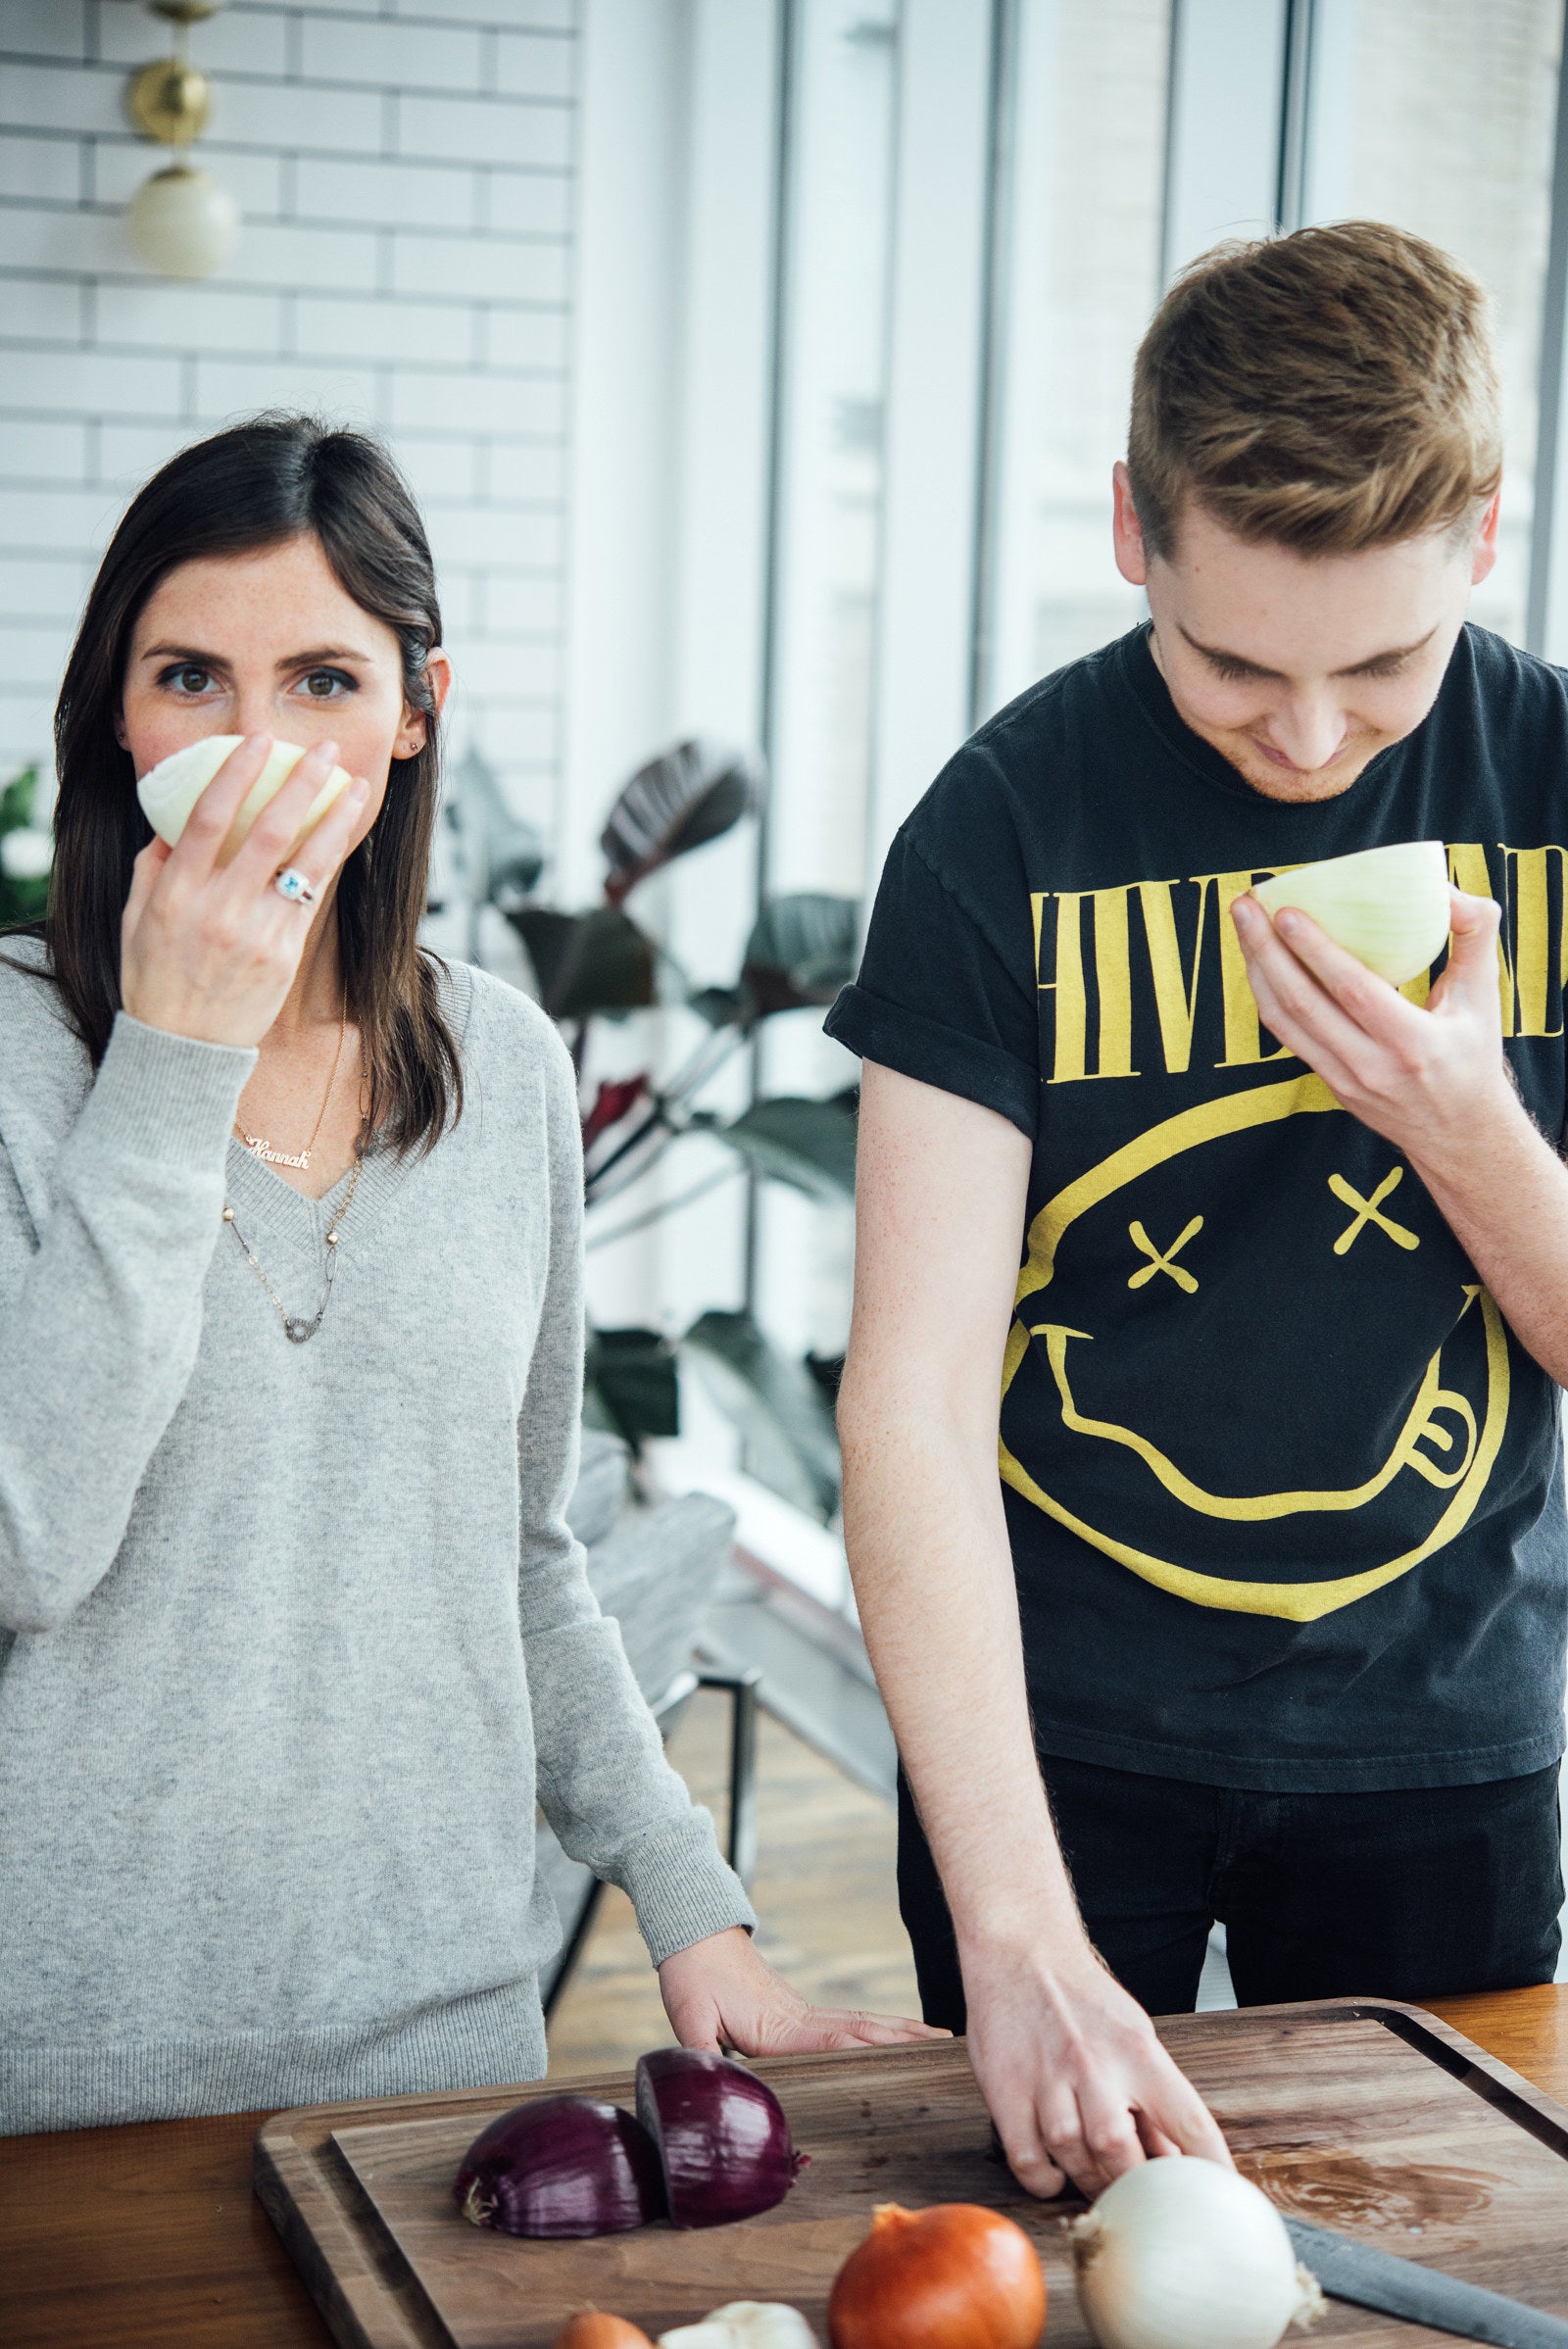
pixel 1299 669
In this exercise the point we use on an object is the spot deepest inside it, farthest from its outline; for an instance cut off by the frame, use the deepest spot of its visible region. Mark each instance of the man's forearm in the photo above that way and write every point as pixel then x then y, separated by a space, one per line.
pixel 933 1578
pixel 1502 1191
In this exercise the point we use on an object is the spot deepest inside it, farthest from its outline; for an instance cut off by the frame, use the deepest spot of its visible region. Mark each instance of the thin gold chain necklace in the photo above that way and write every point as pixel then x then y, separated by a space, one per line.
pixel 297 1327
pixel 258 1144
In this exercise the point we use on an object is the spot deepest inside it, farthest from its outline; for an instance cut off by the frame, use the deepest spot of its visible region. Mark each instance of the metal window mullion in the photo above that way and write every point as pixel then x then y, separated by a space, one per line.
pixel 1547 594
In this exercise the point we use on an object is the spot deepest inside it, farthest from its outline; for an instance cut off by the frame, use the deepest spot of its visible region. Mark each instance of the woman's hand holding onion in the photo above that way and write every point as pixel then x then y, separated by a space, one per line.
pixel 722 1993
pixel 1072 2070
pixel 210 950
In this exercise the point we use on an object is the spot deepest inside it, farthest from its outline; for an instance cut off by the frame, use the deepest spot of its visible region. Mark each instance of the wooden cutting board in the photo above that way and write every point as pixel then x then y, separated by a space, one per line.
pixel 1371 2118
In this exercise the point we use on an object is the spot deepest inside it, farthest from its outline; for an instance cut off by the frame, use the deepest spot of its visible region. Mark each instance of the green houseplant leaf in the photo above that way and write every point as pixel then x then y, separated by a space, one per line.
pixel 688 795
pixel 506 853
pixel 26 852
pixel 632 1385
pixel 806 1143
pixel 587 963
pixel 802 950
pixel 785 1420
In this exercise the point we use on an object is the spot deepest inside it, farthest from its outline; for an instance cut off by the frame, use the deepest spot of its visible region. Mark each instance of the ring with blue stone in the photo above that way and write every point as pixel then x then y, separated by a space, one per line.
pixel 291 883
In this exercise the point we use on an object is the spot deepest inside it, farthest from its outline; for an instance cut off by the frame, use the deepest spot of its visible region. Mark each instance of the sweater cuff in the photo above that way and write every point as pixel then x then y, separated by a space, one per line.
pixel 683 1891
pixel 167 1098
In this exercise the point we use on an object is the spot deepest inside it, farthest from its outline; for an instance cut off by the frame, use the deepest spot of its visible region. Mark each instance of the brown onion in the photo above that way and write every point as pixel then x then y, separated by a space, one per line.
pixel 561 2167
pixel 595 2328
pixel 956 2276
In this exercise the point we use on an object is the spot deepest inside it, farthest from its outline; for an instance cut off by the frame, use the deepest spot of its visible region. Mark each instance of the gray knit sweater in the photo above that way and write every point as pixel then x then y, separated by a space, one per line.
pixel 294 1636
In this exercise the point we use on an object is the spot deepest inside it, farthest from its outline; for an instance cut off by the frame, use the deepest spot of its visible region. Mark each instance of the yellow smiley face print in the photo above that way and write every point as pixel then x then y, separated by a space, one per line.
pixel 1199 1322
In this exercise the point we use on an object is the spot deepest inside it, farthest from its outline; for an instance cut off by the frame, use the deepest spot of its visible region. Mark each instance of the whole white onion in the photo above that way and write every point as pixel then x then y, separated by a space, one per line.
pixel 1389 906
pixel 169 791
pixel 1183 2254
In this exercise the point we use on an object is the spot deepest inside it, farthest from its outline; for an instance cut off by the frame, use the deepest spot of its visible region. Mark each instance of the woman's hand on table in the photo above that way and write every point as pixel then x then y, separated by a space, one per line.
pixel 210 950
pixel 721 1994
pixel 1075 2078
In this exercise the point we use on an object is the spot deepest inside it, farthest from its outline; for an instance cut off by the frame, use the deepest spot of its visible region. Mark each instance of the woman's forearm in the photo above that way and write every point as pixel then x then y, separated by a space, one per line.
pixel 100 1311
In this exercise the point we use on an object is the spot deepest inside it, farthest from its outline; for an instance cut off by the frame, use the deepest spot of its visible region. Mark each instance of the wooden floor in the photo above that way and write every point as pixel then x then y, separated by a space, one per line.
pixel 824 1893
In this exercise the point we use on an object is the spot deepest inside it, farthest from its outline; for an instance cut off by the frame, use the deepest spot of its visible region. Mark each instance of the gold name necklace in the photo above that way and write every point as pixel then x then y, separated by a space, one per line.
pixel 298 1328
pixel 258 1144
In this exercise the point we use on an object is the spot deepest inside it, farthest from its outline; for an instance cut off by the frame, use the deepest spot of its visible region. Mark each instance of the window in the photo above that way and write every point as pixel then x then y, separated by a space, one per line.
pixel 1080 274
pixel 1439 114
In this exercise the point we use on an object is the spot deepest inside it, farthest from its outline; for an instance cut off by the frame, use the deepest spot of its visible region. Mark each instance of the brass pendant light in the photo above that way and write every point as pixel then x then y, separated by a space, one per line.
pixel 181 221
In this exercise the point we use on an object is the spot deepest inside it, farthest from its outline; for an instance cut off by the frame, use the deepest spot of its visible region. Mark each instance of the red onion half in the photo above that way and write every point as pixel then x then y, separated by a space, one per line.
pixel 562 2166
pixel 722 2138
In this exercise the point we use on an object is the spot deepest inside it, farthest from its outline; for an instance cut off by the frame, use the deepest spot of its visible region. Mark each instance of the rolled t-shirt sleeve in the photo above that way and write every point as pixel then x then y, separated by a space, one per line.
pixel 936 998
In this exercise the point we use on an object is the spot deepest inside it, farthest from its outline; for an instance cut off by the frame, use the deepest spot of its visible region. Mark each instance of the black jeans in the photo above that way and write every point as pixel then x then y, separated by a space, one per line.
pixel 1412 1894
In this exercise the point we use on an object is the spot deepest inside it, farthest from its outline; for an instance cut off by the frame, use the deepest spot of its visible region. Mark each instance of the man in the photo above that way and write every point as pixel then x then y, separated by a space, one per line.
pixel 1267 1610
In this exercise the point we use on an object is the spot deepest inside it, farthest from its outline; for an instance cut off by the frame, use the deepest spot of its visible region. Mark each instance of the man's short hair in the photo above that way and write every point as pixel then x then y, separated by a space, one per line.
pixel 1330 390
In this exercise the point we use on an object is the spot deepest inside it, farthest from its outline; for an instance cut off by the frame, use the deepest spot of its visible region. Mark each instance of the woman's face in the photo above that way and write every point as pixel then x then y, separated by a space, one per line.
pixel 269 643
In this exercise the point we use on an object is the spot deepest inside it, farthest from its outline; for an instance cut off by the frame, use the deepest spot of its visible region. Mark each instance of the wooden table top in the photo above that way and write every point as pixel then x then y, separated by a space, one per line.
pixel 150 2239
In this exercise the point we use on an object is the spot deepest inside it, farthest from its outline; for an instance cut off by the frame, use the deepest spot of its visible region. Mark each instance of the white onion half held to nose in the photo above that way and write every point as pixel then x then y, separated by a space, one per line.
pixel 1183 2254
pixel 169 791
pixel 1389 906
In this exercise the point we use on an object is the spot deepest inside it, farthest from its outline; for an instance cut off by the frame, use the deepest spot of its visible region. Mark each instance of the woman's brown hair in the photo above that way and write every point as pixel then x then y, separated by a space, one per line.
pixel 1330 390
pixel 263 482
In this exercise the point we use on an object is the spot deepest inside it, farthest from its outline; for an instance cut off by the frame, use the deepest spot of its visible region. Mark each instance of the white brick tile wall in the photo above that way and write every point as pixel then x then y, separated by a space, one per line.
pixel 404 169
pixel 387 195
pixel 518 607
pixel 26 717
pixel 129 453
pixel 486 270
pixel 495 402
pixel 290 254
pixel 336 327
pixel 48 310
pixel 44 28
pixel 530 203
pixel 524 538
pixel 46 519
pixel 45 169
pixel 41 588
pixel 432 56
pixel 531 65
pixel 42 449
pixel 226 388
pixel 249 41
pixel 485 130
pixel 90 383
pixel 50 97
pixel 440 466
pixel 528 338
pixel 215 318
pixel 116 169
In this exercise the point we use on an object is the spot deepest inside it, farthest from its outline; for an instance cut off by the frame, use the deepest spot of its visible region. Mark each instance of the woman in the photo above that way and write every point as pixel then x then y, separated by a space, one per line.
pixel 290 1335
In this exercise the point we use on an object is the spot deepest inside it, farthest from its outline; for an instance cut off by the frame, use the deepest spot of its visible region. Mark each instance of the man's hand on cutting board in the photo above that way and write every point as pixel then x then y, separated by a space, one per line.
pixel 722 1992
pixel 1076 2081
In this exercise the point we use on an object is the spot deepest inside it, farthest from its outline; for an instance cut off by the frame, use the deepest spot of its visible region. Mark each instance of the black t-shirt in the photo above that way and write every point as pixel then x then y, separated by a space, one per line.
pixel 1284 1491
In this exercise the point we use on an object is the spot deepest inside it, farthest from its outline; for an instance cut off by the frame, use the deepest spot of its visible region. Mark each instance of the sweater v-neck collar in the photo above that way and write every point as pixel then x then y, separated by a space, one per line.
pixel 256 1191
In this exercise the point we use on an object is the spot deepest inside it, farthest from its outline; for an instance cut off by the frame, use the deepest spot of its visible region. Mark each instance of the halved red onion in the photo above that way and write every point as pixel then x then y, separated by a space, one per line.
pixel 562 2166
pixel 722 2138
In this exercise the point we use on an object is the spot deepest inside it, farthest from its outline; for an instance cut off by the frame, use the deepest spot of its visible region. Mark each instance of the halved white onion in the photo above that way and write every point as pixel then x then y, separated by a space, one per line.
pixel 1183 2254
pixel 1389 906
pixel 169 791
